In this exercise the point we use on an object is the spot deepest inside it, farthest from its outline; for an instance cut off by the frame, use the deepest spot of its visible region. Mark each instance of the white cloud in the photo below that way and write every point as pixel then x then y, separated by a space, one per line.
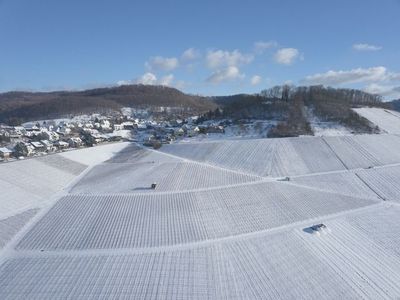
pixel 374 74
pixel 366 47
pixel 219 58
pixel 229 73
pixel 383 90
pixel 147 78
pixel 167 80
pixel 255 80
pixel 150 79
pixel 260 46
pixel 287 56
pixel 162 63
pixel 124 82
pixel 190 54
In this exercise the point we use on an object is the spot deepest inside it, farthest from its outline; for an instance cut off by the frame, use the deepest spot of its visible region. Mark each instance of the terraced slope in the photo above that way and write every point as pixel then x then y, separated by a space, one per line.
pixel 265 157
pixel 11 225
pixel 29 185
pixel 222 222
pixel 384 181
pixel 364 151
pixel 169 176
pixel 387 120
pixel 348 262
pixel 137 221
pixel 342 183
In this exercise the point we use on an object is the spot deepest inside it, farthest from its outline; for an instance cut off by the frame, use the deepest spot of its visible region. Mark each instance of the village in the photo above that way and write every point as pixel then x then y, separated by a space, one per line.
pixel 136 125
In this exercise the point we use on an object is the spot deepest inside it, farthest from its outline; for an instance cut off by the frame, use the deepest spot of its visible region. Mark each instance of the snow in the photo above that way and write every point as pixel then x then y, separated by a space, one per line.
pixel 385 119
pixel 254 129
pixel 31 183
pixel 351 262
pixel 28 185
pixel 124 133
pixel 263 157
pixel 11 225
pixel 323 128
pixel 169 176
pixel 219 225
pixel 95 155
pixel 364 151
pixel 344 183
pixel 374 271
pixel 62 163
pixel 154 220
pixel 384 181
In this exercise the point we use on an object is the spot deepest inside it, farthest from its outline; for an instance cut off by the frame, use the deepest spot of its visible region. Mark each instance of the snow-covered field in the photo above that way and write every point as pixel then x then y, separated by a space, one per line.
pixel 350 262
pixel 346 183
pixel 11 225
pixel 30 183
pixel 94 155
pixel 223 222
pixel 154 220
pixel 385 181
pixel 322 128
pixel 364 151
pixel 385 119
pixel 138 177
pixel 263 157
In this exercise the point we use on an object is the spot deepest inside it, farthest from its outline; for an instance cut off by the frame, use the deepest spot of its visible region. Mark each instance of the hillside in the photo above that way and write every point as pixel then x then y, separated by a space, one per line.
pixel 16 107
pixel 292 106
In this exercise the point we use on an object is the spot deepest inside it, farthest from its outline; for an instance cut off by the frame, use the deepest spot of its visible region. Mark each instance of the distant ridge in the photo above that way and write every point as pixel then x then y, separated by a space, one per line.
pixel 16 107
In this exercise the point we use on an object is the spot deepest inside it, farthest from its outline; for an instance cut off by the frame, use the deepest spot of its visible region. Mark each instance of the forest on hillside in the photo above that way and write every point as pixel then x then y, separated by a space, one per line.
pixel 288 104
pixel 18 107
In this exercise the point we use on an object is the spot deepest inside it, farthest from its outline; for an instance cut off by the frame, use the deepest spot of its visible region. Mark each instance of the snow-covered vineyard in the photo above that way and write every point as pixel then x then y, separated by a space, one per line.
pixel 387 120
pixel 225 219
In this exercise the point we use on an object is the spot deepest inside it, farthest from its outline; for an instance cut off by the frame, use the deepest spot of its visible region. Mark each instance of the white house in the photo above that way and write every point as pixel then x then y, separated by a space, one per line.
pixel 118 127
pixel 38 146
pixel 5 153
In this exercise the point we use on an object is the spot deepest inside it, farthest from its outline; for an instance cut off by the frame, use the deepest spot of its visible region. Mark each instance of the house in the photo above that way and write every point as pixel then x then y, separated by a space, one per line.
pixel 130 125
pixel 49 147
pixel 64 130
pixel 142 126
pixel 88 125
pixel 75 142
pixel 38 146
pixel 216 129
pixel 50 136
pixel 193 132
pixel 32 127
pixel 118 127
pixel 105 124
pixel 20 130
pixel 24 149
pixel 14 134
pixel 98 138
pixel 192 119
pixel 61 145
pixel 5 153
pixel 180 131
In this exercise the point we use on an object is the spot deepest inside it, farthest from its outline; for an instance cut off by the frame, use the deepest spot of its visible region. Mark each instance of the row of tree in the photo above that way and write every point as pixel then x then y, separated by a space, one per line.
pixel 288 104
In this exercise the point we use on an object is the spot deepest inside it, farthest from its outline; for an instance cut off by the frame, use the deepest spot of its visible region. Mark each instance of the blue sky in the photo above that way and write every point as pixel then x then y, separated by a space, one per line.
pixel 202 47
